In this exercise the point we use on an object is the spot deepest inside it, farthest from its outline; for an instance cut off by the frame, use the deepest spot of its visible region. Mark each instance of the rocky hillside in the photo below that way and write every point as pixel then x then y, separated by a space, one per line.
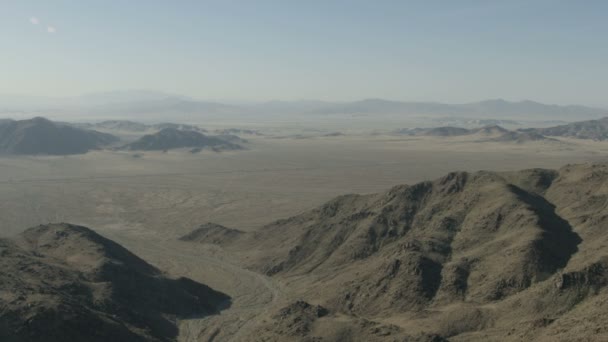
pixel 42 136
pixel 63 282
pixel 467 257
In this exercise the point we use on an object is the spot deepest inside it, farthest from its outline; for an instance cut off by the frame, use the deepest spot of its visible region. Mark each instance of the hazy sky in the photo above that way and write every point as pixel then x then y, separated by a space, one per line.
pixel 449 51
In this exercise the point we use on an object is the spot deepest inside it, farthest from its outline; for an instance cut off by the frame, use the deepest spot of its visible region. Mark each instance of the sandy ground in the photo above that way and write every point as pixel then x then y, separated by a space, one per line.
pixel 145 203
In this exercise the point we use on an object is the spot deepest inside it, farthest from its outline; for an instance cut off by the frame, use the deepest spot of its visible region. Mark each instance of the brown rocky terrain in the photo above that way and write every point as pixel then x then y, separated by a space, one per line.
pixel 62 282
pixel 470 256
pixel 301 321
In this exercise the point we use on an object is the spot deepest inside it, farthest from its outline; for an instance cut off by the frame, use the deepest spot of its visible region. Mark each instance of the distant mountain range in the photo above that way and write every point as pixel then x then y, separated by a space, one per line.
pixel 497 108
pixel 42 136
pixel 151 104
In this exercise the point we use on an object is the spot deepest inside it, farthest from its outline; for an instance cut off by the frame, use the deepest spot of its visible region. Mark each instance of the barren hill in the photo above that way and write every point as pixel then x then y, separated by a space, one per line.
pixel 482 134
pixel 521 137
pixel 212 233
pixel 62 282
pixel 470 256
pixel 444 131
pixel 591 129
pixel 490 130
pixel 42 136
pixel 170 138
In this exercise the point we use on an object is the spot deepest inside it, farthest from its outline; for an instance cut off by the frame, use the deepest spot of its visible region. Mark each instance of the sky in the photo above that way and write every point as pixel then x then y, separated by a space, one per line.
pixel 446 51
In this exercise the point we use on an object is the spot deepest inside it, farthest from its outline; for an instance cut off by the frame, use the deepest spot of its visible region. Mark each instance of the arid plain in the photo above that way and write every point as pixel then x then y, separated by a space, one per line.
pixel 146 201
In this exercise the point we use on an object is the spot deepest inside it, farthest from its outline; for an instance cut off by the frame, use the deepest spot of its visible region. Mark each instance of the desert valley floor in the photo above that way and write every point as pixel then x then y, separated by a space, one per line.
pixel 147 201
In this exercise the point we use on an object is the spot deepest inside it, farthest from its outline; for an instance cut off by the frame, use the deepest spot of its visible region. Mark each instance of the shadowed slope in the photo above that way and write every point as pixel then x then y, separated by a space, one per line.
pixel 62 282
